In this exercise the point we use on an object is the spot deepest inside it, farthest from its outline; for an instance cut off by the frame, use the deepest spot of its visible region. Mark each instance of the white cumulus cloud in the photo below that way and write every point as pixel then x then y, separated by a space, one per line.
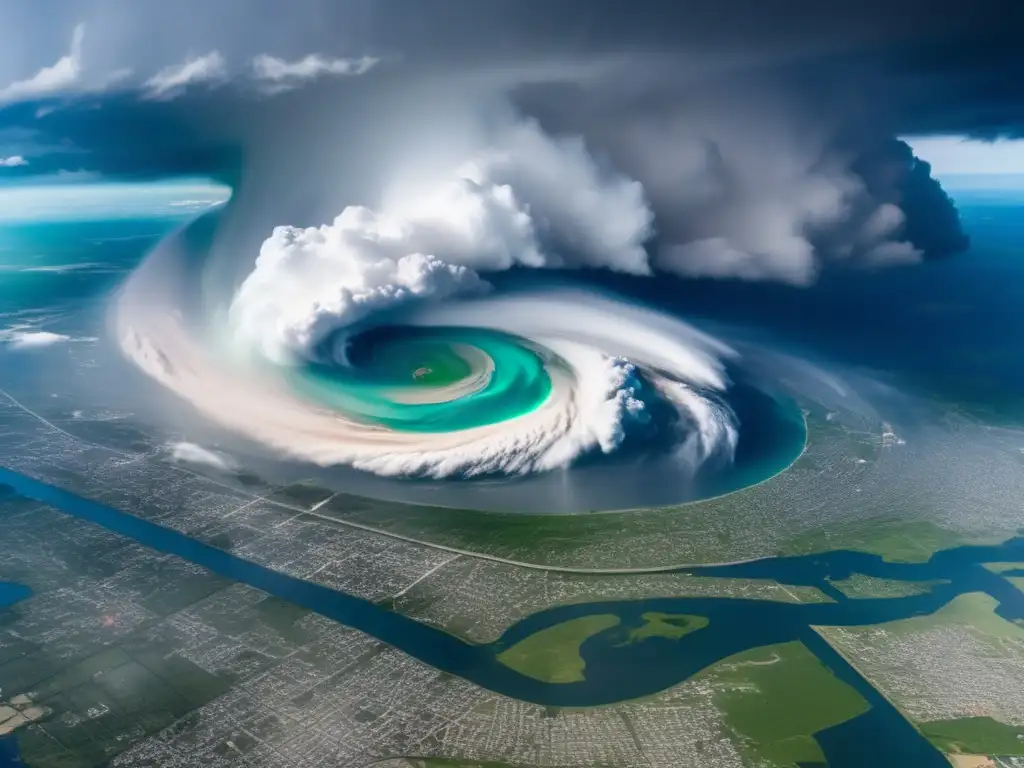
pixel 58 78
pixel 13 161
pixel 172 81
pixel 529 199
pixel 280 75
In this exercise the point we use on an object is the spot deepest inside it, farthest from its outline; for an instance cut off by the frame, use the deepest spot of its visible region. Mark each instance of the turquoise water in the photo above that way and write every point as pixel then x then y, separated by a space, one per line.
pixel 53 265
pixel 53 269
pixel 390 367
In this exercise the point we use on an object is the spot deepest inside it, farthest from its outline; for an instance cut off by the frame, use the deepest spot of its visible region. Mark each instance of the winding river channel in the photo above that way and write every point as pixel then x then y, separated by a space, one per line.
pixel 880 738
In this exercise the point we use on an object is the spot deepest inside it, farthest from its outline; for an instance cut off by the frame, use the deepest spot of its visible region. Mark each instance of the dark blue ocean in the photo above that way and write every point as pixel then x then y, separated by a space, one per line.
pixel 946 328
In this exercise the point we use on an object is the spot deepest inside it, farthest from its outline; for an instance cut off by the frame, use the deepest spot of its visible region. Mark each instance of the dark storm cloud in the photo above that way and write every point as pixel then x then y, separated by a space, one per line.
pixel 763 133
pixel 121 35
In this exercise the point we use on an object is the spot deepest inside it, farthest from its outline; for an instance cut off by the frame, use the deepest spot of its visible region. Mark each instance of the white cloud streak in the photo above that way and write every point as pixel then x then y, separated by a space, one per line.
pixel 59 78
pixel 281 75
pixel 174 80
pixel 13 161
pixel 33 339
pixel 190 453
pixel 20 338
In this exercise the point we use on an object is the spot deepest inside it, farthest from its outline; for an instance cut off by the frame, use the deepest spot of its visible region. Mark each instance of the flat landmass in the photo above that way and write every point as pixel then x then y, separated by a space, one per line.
pixel 974 735
pixel 667 625
pixel 552 655
pixel 862 587
pixel 130 657
pixel 777 697
pixel 840 494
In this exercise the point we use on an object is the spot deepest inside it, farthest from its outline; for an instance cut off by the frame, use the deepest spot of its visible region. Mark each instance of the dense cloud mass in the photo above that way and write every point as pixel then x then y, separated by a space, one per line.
pixel 760 156
pixel 391 156
pixel 526 200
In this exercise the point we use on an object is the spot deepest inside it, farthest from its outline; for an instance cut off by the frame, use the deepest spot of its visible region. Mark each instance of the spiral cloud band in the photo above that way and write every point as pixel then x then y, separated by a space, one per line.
pixel 373 341
pixel 605 361
pixel 377 340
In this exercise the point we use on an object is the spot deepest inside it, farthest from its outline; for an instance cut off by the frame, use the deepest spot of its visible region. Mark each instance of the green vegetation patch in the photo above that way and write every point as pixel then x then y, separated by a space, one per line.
pixel 552 655
pixel 1004 567
pixel 668 625
pixel 1001 642
pixel 975 736
pixel 861 587
pixel 1017 581
pixel 669 537
pixel 976 610
pixel 799 750
pixel 777 697
pixel 896 541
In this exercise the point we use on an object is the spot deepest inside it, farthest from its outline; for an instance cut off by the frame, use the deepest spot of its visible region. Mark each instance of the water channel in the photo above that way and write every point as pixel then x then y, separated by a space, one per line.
pixel 881 737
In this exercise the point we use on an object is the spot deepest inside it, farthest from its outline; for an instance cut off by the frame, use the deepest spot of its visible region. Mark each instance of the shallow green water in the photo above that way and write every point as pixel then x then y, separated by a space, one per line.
pixel 430 379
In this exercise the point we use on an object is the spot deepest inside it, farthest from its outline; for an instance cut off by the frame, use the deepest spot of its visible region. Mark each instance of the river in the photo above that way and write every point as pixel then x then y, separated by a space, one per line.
pixel 880 738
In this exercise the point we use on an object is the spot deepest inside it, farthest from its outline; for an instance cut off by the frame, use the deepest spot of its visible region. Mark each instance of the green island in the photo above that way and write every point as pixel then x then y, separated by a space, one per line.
pixel 862 587
pixel 552 655
pixel 667 625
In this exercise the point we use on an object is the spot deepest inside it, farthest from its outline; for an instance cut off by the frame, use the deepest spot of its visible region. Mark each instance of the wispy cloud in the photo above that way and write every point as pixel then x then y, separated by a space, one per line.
pixel 35 339
pixel 191 453
pixel 25 337
pixel 172 81
pixel 63 78
pixel 58 78
pixel 280 75
pixel 13 161
pixel 197 204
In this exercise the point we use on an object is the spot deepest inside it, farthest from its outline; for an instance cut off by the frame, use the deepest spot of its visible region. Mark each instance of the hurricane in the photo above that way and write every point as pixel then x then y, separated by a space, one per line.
pixel 358 302
pixel 377 341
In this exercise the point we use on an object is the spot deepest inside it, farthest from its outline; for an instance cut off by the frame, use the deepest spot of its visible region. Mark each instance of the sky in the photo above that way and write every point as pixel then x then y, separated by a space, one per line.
pixel 763 138
pixel 952 156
